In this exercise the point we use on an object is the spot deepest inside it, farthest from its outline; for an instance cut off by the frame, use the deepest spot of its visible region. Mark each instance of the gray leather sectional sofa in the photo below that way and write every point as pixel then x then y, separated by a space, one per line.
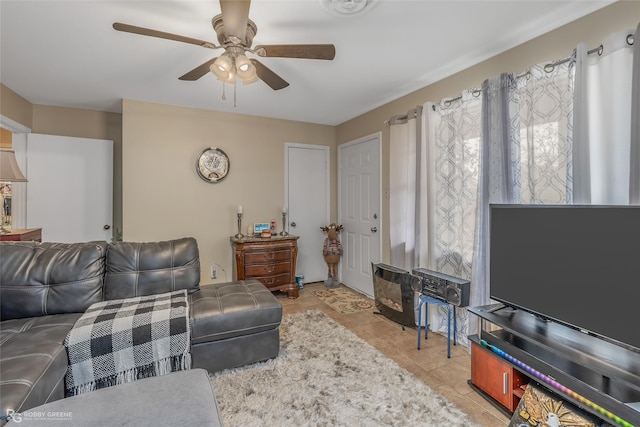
pixel 45 287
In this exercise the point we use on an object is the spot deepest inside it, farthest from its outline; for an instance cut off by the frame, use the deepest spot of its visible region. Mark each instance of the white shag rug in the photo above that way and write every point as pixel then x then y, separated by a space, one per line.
pixel 325 375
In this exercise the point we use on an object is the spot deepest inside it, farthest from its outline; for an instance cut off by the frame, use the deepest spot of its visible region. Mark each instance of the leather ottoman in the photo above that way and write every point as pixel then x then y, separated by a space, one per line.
pixel 234 324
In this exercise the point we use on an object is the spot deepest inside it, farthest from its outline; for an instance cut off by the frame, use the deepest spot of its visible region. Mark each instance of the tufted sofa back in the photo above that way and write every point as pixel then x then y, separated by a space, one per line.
pixel 136 269
pixel 38 279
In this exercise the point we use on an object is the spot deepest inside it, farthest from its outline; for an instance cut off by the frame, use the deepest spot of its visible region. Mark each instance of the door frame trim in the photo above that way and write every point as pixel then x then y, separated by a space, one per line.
pixel 378 137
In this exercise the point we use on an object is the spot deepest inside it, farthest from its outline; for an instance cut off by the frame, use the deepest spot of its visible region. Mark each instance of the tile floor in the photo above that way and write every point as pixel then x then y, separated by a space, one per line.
pixel 430 364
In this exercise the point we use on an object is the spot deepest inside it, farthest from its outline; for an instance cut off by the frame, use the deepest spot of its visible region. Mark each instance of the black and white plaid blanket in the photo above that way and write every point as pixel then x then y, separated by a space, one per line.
pixel 123 340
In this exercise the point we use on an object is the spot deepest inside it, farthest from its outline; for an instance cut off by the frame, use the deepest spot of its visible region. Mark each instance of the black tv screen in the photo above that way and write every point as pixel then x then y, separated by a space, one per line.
pixel 579 265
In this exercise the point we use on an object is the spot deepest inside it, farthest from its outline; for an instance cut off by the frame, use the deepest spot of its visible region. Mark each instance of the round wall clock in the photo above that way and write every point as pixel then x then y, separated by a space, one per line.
pixel 212 165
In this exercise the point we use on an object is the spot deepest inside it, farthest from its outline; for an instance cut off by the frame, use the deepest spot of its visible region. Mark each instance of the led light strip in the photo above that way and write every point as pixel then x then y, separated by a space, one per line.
pixel 555 384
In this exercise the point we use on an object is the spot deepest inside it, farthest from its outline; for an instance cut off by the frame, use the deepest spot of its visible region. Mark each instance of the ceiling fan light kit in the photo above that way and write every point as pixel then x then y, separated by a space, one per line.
pixel 235 32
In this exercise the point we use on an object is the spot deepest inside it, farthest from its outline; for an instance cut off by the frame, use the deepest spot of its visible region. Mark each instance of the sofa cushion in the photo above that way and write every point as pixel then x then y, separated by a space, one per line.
pixel 38 279
pixel 33 361
pixel 233 309
pixel 137 269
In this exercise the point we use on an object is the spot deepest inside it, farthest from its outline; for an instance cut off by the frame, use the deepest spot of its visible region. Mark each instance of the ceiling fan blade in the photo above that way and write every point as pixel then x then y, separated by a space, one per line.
pixel 235 14
pixel 199 71
pixel 308 51
pixel 269 77
pixel 161 34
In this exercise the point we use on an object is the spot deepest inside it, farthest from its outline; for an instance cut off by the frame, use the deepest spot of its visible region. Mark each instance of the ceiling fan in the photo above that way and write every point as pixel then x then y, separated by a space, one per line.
pixel 235 33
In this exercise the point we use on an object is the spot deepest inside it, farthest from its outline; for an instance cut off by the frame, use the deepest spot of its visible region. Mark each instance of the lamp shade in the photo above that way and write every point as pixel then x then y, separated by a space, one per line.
pixel 251 79
pixel 246 70
pixel 230 78
pixel 9 170
pixel 243 64
pixel 223 68
pixel 223 64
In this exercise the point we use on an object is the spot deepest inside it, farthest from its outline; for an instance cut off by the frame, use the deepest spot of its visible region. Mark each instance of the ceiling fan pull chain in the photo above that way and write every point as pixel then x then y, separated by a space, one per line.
pixel 224 96
pixel 234 95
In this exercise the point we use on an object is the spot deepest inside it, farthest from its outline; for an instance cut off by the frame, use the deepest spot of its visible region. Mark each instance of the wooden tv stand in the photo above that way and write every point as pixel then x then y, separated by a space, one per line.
pixel 583 369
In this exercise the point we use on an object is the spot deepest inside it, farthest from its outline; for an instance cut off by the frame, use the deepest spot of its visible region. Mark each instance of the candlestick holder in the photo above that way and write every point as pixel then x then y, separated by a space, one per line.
pixel 284 224
pixel 239 235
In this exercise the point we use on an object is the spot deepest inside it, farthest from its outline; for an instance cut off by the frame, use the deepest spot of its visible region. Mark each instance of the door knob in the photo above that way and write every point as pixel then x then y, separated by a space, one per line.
pixel 374 229
pixel 106 226
pixel 293 224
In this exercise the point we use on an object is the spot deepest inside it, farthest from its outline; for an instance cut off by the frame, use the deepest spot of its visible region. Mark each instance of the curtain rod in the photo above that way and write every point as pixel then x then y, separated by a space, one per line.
pixel 552 65
pixel 548 68
pixel 404 118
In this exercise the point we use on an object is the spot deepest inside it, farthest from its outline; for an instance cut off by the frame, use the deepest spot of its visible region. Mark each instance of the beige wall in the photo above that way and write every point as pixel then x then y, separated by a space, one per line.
pixel 164 198
pixel 15 107
pixel 591 29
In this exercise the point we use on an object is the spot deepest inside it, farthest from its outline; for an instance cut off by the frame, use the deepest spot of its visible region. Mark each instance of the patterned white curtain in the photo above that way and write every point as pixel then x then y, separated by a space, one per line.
pixel 452 162
pixel 545 101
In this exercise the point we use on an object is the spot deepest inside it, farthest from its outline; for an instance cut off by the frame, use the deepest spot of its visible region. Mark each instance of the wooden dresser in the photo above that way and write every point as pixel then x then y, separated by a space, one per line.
pixel 23 234
pixel 272 261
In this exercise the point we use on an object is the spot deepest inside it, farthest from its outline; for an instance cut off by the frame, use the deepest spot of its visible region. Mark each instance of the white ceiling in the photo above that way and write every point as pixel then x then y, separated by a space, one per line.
pixel 65 53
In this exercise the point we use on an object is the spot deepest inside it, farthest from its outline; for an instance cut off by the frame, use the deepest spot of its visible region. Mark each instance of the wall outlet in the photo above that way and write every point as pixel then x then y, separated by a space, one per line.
pixel 214 272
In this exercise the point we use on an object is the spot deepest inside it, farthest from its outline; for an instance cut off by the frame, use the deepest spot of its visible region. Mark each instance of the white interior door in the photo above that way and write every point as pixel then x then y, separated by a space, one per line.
pixel 70 188
pixel 307 199
pixel 359 210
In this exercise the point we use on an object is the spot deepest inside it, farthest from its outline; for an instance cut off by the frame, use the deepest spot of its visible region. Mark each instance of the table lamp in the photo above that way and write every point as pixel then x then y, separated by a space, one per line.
pixel 9 172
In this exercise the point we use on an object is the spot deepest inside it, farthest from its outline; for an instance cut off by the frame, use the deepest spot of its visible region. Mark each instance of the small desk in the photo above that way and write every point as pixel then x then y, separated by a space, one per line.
pixel 23 234
pixel 426 300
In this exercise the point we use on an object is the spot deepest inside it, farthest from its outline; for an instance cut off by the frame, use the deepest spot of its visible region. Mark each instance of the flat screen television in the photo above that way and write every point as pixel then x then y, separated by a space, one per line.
pixel 578 265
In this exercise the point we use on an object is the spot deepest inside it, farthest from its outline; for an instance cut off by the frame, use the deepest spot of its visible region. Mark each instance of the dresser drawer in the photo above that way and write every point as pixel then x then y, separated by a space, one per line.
pixel 258 270
pixel 267 257
pixel 273 281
